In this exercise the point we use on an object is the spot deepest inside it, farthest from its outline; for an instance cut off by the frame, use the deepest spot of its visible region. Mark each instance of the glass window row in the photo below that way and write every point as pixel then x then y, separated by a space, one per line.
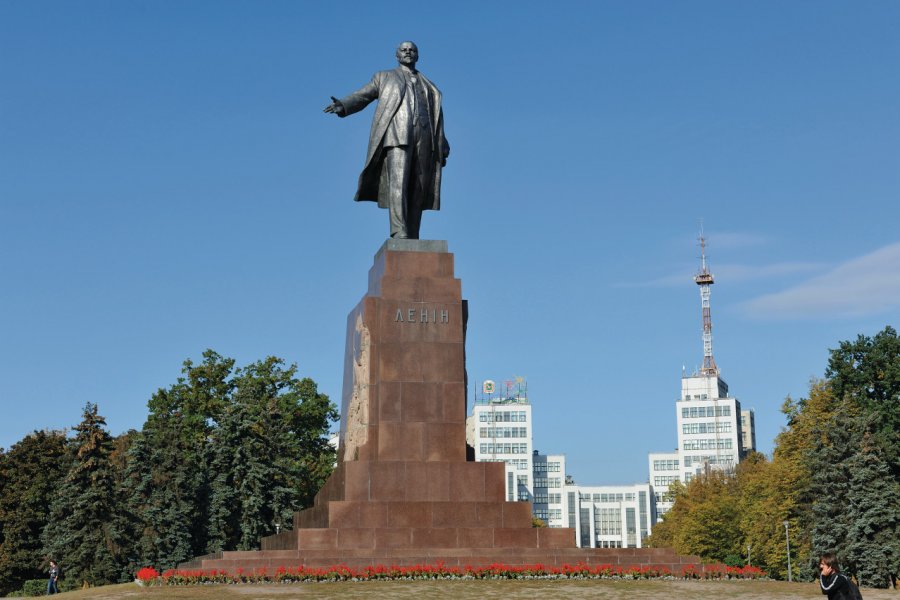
pixel 702 412
pixel 722 459
pixel 549 467
pixel 709 444
pixel 503 416
pixel 503 448
pixel 547 482
pixel 664 480
pixel 712 427
pixel 665 465
pixel 502 432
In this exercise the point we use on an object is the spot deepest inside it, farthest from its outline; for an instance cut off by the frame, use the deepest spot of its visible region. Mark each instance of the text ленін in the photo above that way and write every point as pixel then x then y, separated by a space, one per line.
pixel 422 315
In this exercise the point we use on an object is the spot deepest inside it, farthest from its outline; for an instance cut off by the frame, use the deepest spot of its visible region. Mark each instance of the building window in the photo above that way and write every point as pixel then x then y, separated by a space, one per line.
pixel 631 527
pixel 572 510
pixel 642 505
pixel 608 521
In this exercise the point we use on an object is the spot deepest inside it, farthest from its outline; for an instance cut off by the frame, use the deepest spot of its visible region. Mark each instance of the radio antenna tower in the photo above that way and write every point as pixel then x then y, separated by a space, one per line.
pixel 705 279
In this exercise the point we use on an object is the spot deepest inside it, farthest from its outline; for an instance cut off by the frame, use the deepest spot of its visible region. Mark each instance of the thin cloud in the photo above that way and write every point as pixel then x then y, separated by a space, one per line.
pixel 862 286
pixel 734 273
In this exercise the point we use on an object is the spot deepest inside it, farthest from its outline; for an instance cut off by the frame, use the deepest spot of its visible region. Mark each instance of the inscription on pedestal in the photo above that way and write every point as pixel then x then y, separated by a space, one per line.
pixel 422 314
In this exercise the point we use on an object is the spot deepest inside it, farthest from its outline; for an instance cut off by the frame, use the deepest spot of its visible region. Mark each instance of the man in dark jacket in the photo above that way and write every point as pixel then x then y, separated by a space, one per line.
pixel 833 583
pixel 407 147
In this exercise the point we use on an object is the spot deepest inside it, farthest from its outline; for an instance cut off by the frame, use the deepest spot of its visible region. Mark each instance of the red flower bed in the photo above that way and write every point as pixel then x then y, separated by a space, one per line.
pixel 285 574
pixel 147 575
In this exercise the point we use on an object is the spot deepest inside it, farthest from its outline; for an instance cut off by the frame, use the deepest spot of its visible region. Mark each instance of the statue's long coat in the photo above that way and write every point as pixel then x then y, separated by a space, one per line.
pixel 389 87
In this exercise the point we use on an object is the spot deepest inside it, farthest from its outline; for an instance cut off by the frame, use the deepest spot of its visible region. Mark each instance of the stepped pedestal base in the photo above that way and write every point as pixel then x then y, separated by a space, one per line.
pixel 403 492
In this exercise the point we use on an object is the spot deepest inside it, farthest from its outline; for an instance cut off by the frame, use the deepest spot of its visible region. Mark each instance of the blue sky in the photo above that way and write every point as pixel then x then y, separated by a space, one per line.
pixel 169 183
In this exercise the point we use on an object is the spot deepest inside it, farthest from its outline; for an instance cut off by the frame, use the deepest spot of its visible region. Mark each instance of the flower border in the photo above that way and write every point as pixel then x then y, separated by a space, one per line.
pixel 304 574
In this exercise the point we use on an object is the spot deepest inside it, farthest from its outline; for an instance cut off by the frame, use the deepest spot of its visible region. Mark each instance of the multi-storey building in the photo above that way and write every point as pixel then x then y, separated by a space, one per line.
pixel 748 431
pixel 712 430
pixel 499 429
pixel 609 516
pixel 549 476
pixel 709 425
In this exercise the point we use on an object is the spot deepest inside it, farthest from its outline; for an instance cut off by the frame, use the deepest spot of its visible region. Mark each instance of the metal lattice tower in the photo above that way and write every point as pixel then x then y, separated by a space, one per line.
pixel 705 279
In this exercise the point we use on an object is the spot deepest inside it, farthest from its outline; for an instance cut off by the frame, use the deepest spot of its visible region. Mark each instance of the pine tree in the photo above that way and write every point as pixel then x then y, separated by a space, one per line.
pixel 169 463
pixel 873 549
pixel 271 455
pixel 81 534
pixel 125 522
pixel 30 474
pixel 829 465
pixel 867 372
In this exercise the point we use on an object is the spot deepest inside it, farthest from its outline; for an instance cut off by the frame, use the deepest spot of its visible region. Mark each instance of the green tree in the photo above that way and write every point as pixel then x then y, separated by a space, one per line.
pixel 168 466
pixel 787 490
pixel 854 463
pixel 81 533
pixel 762 508
pixel 125 522
pixel 867 372
pixel 829 465
pixel 874 519
pixel 704 519
pixel 30 474
pixel 270 454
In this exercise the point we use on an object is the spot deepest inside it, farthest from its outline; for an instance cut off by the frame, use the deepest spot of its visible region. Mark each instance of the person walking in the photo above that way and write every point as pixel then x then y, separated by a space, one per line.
pixel 52 587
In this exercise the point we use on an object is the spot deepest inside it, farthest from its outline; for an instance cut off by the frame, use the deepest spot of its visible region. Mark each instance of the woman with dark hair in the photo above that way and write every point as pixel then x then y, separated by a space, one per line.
pixel 835 584
pixel 52 587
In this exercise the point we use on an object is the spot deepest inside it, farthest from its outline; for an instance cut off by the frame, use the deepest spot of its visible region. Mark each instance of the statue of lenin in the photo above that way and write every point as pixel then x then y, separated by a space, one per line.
pixel 407 147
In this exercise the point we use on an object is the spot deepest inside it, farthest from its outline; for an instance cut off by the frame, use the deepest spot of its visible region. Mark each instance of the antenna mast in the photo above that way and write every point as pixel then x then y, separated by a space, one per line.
pixel 705 279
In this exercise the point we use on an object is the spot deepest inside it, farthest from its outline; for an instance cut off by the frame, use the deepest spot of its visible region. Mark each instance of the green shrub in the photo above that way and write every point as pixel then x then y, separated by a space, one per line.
pixel 733 560
pixel 31 588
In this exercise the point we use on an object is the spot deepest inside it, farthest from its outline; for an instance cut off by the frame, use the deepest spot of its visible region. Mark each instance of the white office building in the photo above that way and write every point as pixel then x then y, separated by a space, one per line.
pixel 748 432
pixel 664 467
pixel 709 425
pixel 499 429
pixel 609 516
pixel 549 476
pixel 712 430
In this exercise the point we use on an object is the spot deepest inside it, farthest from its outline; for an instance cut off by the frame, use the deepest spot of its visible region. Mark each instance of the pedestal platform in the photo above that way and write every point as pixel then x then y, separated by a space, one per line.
pixel 403 492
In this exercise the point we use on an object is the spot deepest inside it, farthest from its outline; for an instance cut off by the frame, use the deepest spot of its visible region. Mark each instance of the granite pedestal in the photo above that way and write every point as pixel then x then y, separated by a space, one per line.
pixel 403 492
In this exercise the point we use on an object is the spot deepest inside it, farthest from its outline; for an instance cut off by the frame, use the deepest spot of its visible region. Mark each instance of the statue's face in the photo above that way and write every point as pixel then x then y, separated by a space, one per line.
pixel 407 54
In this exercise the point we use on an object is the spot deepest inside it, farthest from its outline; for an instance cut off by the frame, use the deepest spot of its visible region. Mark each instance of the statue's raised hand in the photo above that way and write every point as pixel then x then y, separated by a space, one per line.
pixel 335 107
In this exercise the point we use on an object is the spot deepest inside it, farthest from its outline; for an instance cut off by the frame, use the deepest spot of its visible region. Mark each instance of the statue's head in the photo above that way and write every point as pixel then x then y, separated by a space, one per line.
pixel 407 54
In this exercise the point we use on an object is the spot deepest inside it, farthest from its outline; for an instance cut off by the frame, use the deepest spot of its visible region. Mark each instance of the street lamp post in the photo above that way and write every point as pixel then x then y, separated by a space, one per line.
pixel 787 539
pixel 748 554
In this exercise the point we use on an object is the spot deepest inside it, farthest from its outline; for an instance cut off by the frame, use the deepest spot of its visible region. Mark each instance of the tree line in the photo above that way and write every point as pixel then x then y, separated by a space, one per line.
pixel 834 478
pixel 226 456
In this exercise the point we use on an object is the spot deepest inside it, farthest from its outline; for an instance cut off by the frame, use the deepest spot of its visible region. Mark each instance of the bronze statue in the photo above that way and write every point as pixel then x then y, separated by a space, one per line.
pixel 407 147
